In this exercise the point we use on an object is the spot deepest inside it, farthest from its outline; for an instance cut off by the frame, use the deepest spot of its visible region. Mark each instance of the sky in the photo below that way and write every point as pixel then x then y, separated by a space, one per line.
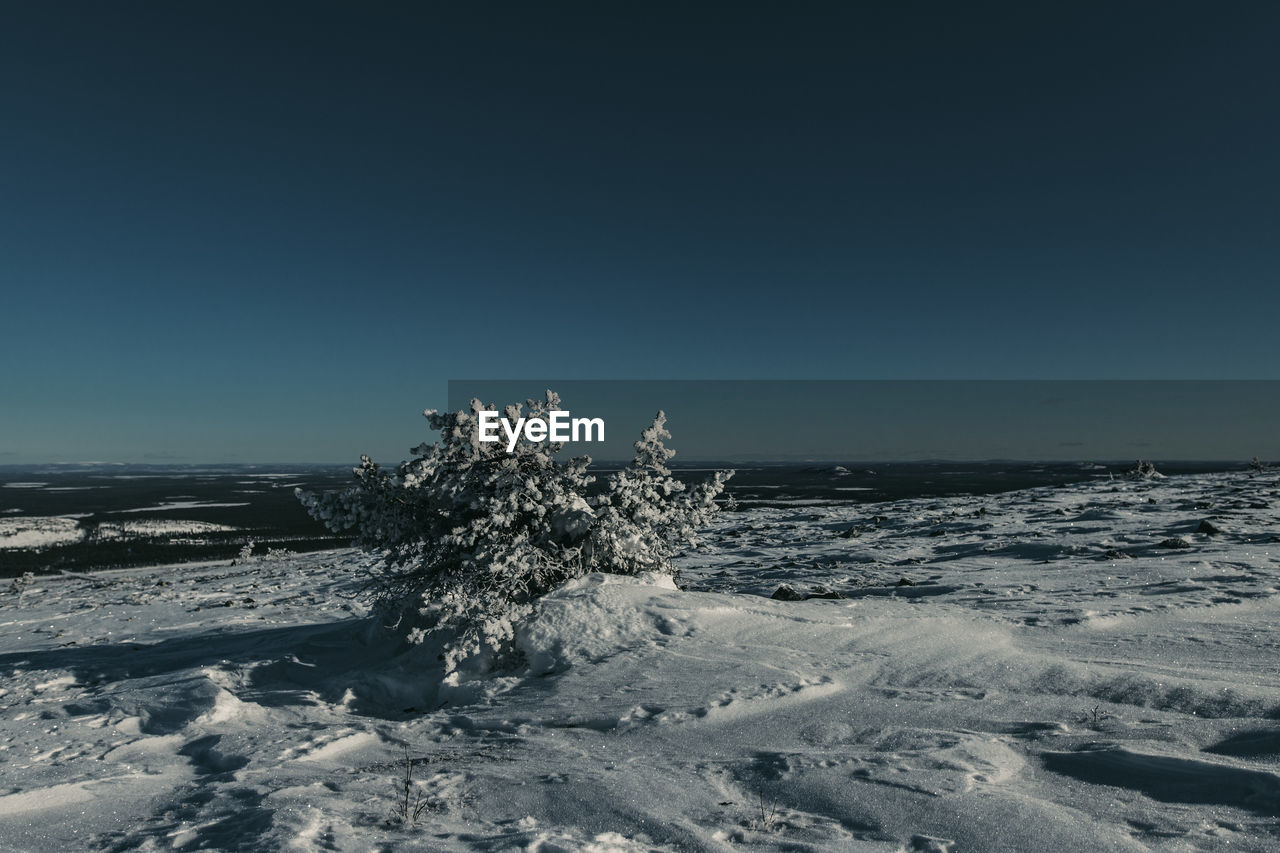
pixel 275 231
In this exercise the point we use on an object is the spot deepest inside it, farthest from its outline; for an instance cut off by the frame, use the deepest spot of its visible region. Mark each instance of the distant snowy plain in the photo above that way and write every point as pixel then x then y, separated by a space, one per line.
pixel 1088 668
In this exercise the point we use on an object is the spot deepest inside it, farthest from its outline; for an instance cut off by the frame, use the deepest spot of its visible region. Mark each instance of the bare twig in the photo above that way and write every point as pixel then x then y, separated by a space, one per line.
pixel 413 803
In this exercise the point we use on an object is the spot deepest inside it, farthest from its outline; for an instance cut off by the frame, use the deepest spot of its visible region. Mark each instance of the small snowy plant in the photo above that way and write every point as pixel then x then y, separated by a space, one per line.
pixel 1144 470
pixel 471 535
pixel 647 515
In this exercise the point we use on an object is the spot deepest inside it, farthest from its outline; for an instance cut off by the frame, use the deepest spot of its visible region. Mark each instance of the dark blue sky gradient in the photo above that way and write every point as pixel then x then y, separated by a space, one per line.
pixel 272 231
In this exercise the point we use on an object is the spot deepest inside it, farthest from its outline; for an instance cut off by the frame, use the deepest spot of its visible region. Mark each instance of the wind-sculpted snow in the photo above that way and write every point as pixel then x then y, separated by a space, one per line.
pixel 1030 671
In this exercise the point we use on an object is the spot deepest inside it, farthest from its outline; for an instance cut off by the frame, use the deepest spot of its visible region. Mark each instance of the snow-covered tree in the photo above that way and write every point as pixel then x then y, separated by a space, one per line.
pixel 1144 470
pixel 647 514
pixel 471 535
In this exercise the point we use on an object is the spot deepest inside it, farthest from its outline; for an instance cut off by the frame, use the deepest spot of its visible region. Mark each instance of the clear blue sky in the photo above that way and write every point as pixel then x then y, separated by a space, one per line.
pixel 273 231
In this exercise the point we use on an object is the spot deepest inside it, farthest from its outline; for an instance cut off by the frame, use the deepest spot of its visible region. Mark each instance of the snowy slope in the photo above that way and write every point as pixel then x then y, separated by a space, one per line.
pixel 1084 668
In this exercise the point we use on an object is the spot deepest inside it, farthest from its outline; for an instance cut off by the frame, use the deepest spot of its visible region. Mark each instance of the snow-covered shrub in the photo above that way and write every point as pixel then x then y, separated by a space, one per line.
pixel 647 515
pixel 1144 470
pixel 471 535
pixel 272 555
pixel 20 585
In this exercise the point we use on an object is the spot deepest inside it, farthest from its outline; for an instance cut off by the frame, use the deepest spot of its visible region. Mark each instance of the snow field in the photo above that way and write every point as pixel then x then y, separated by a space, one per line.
pixel 1028 671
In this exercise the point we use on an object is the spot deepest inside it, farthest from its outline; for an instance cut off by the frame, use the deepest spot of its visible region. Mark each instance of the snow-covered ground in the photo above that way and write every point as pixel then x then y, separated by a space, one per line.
pixel 1068 669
